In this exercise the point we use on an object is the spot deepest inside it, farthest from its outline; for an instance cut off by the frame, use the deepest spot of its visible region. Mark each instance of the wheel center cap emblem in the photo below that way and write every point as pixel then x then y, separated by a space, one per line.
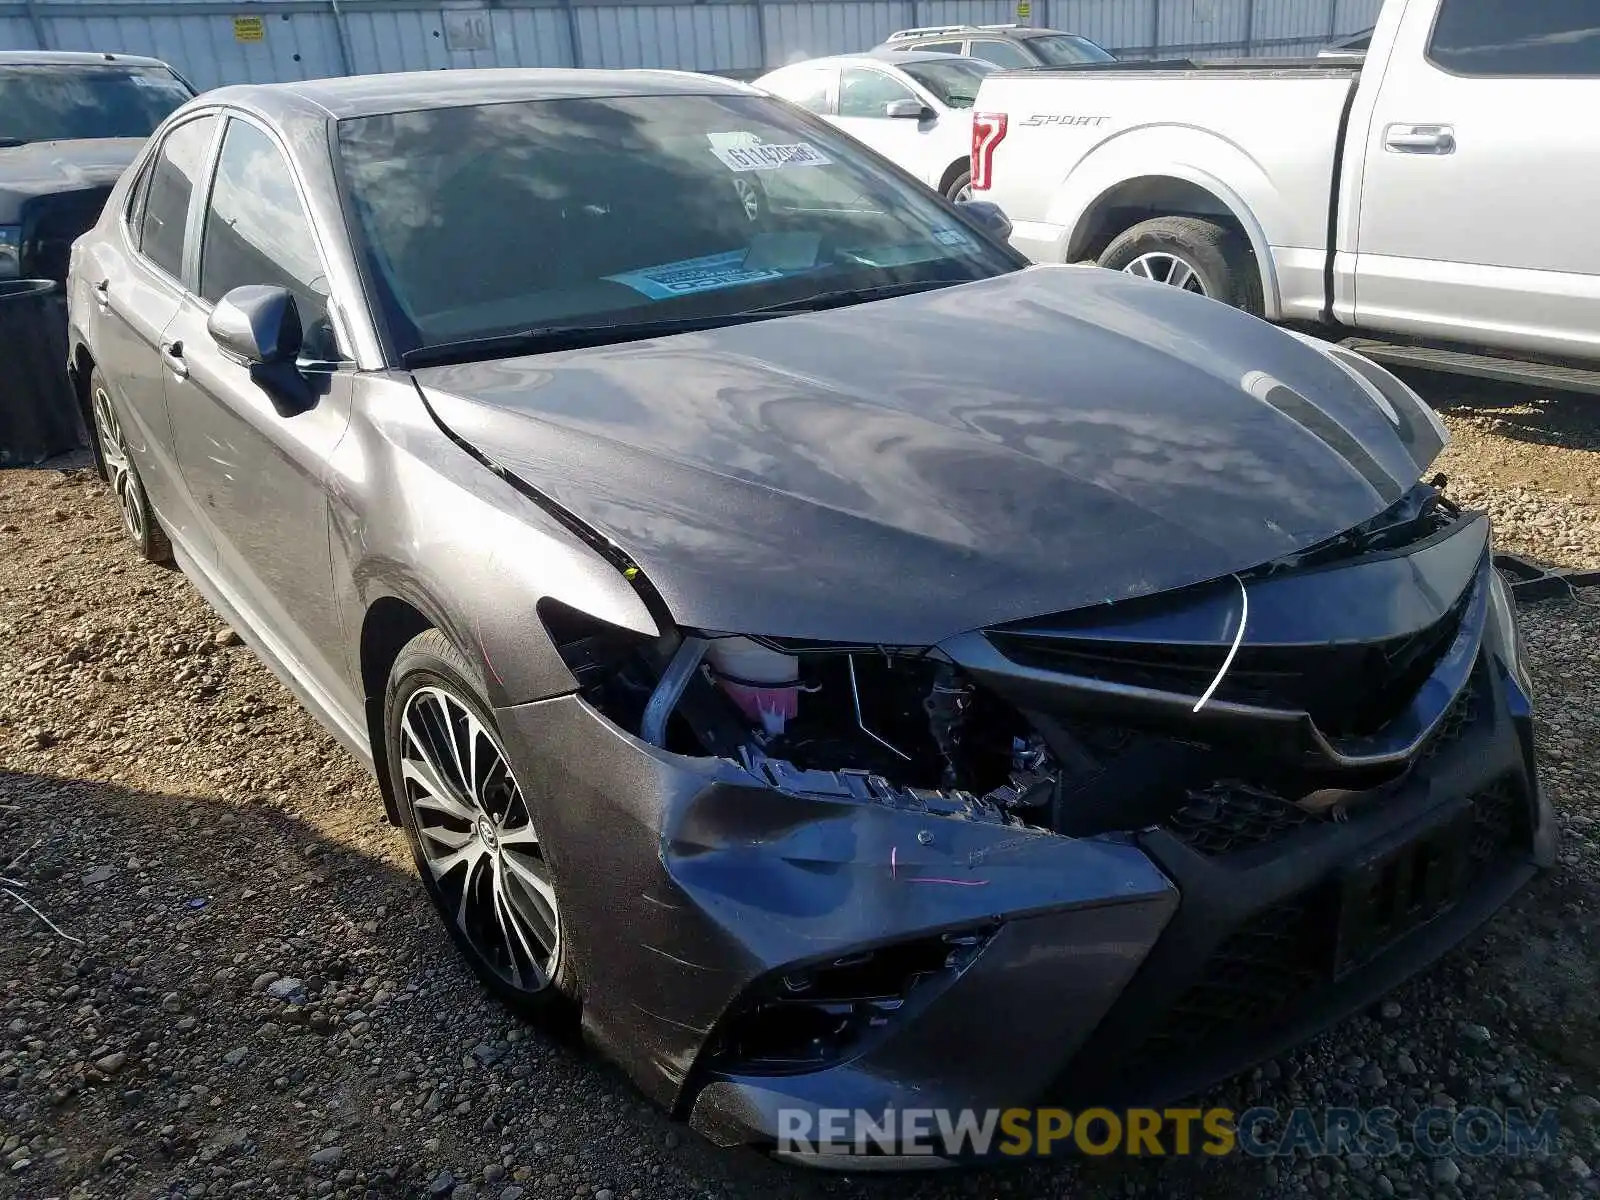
pixel 486 832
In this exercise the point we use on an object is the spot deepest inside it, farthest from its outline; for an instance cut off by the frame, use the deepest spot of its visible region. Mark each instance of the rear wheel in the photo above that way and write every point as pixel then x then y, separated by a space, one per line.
pixel 471 829
pixel 138 520
pixel 1192 254
pixel 960 187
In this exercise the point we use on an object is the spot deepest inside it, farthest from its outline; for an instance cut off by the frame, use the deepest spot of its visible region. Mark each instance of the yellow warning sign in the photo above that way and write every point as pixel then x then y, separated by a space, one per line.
pixel 1024 10
pixel 249 29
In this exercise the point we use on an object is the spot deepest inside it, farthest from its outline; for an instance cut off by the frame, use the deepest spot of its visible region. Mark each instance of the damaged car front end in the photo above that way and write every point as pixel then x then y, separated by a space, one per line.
pixel 1054 859
pixel 851 667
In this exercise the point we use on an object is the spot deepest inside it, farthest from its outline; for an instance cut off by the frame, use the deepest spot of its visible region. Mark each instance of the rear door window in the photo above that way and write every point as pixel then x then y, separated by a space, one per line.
pixel 942 47
pixel 1490 37
pixel 173 174
pixel 866 93
pixel 1001 54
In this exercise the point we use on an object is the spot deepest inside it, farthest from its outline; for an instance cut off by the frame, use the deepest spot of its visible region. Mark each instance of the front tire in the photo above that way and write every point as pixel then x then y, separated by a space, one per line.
pixel 111 454
pixel 1193 254
pixel 471 829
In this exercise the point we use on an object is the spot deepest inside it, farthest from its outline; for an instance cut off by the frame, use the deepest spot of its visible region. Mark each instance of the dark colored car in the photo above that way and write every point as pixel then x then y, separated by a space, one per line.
pixel 844 664
pixel 1007 46
pixel 69 126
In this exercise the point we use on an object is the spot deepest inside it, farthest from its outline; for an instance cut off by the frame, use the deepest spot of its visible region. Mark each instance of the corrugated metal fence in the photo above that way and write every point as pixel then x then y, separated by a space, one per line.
pixel 269 40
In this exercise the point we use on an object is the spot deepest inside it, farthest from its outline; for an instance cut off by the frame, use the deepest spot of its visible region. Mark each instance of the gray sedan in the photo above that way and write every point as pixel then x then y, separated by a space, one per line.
pixel 844 665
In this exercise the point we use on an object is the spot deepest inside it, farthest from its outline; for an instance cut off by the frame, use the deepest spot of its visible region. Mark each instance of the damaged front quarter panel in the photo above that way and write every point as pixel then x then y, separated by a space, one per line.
pixel 727 890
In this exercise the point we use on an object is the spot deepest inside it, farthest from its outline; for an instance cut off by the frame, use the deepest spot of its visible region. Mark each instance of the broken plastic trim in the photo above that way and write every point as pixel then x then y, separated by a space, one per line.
pixel 810 1016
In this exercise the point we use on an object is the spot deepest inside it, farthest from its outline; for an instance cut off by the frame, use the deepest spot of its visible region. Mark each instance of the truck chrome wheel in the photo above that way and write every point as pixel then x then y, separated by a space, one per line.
pixel 1168 269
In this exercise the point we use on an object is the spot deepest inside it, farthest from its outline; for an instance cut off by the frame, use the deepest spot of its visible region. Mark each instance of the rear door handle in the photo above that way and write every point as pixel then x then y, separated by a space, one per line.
pixel 172 355
pixel 102 293
pixel 1420 139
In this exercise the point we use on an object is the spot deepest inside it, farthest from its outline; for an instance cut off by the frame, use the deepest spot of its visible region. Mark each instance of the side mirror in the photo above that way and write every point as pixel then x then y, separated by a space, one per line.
pixel 259 326
pixel 914 110
pixel 989 215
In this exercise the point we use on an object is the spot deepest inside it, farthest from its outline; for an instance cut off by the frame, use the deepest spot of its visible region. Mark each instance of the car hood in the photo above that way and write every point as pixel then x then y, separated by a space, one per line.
pixel 51 168
pixel 904 470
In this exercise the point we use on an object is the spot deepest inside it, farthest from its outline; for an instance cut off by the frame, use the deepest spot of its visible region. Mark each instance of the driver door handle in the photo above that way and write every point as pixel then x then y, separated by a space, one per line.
pixel 102 293
pixel 1420 139
pixel 172 355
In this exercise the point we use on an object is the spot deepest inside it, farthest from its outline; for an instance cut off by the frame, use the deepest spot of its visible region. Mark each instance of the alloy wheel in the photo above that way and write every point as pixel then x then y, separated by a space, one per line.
pixel 477 838
pixel 119 468
pixel 1168 269
pixel 964 192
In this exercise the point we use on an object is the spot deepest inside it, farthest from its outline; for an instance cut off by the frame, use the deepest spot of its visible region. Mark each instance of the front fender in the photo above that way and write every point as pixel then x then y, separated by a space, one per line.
pixel 1193 155
pixel 415 517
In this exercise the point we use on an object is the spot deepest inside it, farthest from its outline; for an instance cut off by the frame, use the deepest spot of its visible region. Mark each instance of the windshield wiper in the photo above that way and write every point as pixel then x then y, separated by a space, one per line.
pixel 544 339
pixel 862 295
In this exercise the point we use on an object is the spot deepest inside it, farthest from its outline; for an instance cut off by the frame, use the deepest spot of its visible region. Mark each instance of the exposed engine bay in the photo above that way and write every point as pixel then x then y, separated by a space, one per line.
pixel 911 728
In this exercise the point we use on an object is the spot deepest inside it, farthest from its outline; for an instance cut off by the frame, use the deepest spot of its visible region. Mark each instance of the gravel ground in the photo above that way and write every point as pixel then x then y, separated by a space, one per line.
pixel 249 997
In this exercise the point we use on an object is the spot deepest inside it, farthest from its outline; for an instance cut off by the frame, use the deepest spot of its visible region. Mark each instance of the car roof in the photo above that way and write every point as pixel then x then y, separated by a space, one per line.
pixel 892 58
pixel 944 33
pixel 371 95
pixel 53 58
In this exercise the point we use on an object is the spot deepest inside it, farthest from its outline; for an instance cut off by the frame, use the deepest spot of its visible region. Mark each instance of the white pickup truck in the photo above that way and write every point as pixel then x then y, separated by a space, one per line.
pixel 1443 195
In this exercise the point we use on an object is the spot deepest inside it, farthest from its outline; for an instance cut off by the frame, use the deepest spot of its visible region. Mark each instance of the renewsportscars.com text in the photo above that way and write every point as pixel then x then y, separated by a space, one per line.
pixel 1152 1132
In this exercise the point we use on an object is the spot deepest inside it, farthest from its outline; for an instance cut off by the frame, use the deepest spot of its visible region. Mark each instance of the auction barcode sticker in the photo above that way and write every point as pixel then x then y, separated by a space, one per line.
pixel 762 156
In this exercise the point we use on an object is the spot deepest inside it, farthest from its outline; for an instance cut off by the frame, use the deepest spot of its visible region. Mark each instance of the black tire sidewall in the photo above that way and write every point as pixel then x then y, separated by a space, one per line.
pixel 1218 255
pixel 92 426
pixel 429 660
pixel 956 184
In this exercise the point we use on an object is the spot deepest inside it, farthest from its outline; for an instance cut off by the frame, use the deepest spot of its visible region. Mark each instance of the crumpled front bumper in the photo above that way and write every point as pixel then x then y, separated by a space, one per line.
pixel 1130 968
pixel 685 882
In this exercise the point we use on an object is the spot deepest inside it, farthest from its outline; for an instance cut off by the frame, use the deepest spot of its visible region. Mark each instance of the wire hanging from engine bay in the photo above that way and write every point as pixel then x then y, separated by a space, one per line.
pixel 1238 638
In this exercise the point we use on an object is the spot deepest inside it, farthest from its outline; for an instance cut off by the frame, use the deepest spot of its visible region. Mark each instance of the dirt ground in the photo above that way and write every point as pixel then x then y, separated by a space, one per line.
pixel 246 994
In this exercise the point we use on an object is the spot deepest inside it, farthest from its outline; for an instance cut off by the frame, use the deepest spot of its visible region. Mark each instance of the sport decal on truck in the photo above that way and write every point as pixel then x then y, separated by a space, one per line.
pixel 1061 119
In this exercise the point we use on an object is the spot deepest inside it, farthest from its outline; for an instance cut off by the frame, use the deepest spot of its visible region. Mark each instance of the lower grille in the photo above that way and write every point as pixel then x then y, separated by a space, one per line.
pixel 1264 966
pixel 1457 719
pixel 1284 952
pixel 1501 823
pixel 1228 817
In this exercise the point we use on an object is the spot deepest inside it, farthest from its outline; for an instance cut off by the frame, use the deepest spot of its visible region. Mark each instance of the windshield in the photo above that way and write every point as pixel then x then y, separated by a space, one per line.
pixel 955 82
pixel 65 102
pixel 1069 50
pixel 487 220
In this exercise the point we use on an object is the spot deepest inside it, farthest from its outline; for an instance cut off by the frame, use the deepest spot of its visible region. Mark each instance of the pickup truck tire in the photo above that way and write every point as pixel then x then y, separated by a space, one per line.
pixel 960 187
pixel 1199 255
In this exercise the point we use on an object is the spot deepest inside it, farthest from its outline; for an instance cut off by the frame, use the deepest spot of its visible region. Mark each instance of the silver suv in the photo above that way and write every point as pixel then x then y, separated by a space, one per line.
pixel 1007 46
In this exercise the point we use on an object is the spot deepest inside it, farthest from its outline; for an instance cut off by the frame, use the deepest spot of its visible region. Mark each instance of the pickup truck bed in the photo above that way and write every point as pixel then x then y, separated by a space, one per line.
pixel 1440 191
pixel 1289 113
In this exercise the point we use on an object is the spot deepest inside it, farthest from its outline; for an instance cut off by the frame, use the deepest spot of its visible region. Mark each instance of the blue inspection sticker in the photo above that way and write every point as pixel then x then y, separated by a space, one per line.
pixel 951 237
pixel 694 275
